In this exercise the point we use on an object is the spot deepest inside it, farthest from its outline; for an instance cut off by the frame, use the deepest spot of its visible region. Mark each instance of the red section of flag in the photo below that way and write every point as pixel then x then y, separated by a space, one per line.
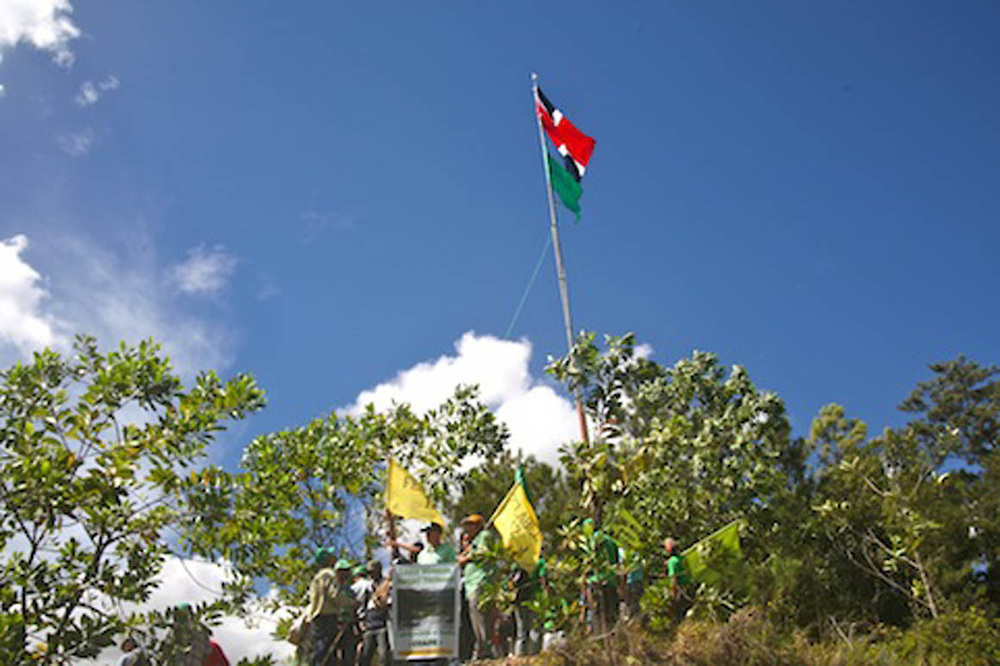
pixel 568 139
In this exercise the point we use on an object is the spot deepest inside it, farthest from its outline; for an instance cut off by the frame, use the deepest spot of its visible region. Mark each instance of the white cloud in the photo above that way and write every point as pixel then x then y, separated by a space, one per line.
pixel 120 297
pixel 77 144
pixel 539 419
pixel 206 271
pixel 23 321
pixel 43 24
pixel 91 289
pixel 194 582
pixel 91 92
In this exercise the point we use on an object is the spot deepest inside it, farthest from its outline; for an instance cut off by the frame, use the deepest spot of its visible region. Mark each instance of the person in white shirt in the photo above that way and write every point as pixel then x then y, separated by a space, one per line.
pixel 437 551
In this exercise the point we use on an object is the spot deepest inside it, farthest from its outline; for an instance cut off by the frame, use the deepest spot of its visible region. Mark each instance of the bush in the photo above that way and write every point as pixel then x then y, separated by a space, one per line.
pixel 969 638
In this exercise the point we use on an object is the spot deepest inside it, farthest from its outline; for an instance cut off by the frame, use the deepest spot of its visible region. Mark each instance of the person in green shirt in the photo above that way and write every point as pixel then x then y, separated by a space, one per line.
pixel 437 551
pixel 679 577
pixel 603 581
pixel 475 572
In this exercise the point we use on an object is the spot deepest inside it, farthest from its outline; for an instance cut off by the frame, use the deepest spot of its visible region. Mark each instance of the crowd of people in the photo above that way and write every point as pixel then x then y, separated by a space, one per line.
pixel 347 618
pixel 348 614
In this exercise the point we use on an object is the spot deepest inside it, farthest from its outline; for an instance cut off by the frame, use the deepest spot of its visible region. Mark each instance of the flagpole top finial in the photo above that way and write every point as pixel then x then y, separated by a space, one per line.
pixel 534 77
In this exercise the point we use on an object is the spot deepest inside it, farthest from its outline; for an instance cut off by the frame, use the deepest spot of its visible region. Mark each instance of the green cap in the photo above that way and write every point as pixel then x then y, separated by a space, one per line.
pixel 322 554
pixel 360 570
pixel 342 564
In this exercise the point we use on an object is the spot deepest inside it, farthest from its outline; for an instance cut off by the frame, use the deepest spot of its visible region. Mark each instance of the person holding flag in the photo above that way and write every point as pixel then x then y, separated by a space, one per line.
pixel 436 551
pixel 404 497
pixel 517 524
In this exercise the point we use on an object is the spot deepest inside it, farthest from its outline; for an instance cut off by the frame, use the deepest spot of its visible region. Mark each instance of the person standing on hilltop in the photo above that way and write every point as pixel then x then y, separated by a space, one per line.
pixel 331 612
pixel 476 571
pixel 675 567
pixel 437 551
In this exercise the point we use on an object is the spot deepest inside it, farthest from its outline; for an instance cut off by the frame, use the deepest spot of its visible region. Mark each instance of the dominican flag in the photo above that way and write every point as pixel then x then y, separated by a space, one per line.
pixel 575 146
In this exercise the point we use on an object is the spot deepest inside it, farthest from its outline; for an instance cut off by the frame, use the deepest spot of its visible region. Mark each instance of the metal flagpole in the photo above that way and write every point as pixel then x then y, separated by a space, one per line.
pixel 557 250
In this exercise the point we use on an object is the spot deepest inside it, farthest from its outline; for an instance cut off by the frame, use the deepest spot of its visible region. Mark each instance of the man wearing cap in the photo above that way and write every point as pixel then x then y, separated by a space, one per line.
pixel 437 551
pixel 331 612
pixel 475 572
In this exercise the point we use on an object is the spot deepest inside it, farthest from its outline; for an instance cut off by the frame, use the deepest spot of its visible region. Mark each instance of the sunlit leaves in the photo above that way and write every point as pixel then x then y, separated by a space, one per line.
pixel 86 498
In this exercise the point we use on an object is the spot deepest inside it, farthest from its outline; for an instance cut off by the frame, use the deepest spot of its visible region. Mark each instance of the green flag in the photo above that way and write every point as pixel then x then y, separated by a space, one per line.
pixel 726 540
pixel 565 185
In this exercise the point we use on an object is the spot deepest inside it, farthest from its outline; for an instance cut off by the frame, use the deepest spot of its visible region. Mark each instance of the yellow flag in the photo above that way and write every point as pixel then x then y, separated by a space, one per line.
pixel 517 524
pixel 404 497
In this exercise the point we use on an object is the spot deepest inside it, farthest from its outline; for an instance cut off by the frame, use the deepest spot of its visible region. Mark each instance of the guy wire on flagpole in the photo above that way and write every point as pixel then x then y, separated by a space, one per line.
pixel 556 248
pixel 531 283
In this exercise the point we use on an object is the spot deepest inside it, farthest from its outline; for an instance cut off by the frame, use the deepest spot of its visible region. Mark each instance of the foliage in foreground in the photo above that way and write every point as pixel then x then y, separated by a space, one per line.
pixel 95 453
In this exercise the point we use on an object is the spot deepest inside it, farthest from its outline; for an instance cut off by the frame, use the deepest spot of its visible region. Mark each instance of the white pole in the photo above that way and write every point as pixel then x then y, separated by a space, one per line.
pixel 557 249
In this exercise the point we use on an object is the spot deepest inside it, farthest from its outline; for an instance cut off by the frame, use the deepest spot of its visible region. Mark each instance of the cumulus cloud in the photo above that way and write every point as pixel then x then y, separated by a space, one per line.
pixel 91 92
pixel 77 144
pixel 206 271
pixel 195 582
pixel 23 320
pixel 540 420
pixel 44 24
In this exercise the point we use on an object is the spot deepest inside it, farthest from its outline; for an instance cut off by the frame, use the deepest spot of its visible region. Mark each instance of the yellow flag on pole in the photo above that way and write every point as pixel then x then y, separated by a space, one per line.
pixel 405 498
pixel 517 524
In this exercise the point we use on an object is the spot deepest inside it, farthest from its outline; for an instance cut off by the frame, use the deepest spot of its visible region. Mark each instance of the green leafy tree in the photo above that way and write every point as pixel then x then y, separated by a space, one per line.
pixel 678 451
pixel 683 450
pixel 321 485
pixel 94 449
pixel 915 507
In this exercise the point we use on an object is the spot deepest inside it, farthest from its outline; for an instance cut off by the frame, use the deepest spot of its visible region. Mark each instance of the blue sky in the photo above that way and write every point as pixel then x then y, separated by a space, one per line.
pixel 808 190
pixel 346 199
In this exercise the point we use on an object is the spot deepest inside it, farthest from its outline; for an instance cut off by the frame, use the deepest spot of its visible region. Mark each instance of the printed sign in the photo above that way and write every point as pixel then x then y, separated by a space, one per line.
pixel 426 611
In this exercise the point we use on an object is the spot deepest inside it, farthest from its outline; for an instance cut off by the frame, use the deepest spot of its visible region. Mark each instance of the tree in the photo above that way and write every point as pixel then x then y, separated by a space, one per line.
pixel 683 450
pixel 320 485
pixel 677 451
pixel 915 508
pixel 93 453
